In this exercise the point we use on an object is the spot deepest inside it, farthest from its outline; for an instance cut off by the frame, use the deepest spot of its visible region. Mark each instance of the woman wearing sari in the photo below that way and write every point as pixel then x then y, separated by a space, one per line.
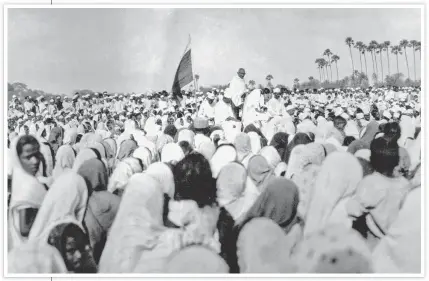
pixel 243 146
pixel 126 149
pixel 336 183
pixel 72 242
pixel 84 155
pixel 379 196
pixel 70 136
pixel 66 200
pixel 399 251
pixel 144 154
pixel 102 205
pixel 259 173
pixel 56 139
pixel 111 150
pixel 64 160
pixel 279 142
pixel 122 173
pixel 263 247
pixel 333 249
pixel 299 138
pixel 27 192
pixel 231 184
pixel 369 132
pixel 65 204
pixel 224 154
pixel 138 241
pixel 278 202
pixel 172 153
pixel 273 158
pixel 303 156
pixel 48 159
pixel 195 259
pixel 35 258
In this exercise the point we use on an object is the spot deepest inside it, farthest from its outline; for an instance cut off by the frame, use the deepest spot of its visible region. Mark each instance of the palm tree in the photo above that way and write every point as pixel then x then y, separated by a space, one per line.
pixel 397 50
pixel 380 51
pixel 413 44
pixel 370 48
pixel 364 49
pixel 404 44
pixel 374 45
pixel 350 43
pixel 418 48
pixel 358 46
pixel 386 46
pixel 197 77
pixel 328 53
pixel 325 64
pixel 336 58
pixel 319 68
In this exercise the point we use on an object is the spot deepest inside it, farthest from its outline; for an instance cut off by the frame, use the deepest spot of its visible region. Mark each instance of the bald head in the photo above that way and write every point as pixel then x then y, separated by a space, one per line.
pixel 241 73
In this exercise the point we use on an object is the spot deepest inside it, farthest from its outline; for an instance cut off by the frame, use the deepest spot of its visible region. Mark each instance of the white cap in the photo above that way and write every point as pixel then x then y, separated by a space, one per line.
pixel 210 95
pixel 345 116
pixel 277 91
pixel 338 111
pixel 290 107
pixel 387 114
pixel 359 116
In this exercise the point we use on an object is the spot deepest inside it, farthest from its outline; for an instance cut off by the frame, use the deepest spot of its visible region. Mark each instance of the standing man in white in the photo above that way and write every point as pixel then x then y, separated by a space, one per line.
pixel 237 90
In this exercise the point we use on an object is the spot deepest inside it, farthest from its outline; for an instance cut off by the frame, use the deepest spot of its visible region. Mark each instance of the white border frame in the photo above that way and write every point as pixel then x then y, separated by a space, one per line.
pixel 207 6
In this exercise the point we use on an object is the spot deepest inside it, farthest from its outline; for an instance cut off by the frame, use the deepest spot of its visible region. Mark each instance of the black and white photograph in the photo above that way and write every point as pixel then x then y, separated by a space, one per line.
pixel 226 140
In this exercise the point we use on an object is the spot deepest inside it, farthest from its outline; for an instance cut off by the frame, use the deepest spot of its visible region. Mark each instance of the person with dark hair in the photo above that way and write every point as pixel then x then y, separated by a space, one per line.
pixel 379 196
pixel 299 138
pixel 348 140
pixel 392 131
pixel 170 130
pixel 194 181
pixel 27 192
pixel 186 147
pixel 73 244
pixel 279 142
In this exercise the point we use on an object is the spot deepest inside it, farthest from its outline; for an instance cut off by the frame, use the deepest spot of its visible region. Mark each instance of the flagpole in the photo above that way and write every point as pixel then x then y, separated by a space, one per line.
pixel 193 74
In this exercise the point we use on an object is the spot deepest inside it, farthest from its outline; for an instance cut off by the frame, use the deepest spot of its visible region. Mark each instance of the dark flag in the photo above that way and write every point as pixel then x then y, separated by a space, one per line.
pixel 184 74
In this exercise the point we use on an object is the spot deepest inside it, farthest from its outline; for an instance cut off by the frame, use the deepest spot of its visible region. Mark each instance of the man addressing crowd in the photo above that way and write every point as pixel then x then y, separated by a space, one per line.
pixel 237 90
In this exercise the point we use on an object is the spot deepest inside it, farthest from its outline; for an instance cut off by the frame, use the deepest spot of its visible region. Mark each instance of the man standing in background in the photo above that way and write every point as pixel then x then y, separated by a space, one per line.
pixel 237 89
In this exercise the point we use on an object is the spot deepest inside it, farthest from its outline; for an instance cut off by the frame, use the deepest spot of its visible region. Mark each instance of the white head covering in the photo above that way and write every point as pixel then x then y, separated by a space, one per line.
pixel 66 200
pixel 27 192
pixel 172 152
pixel 223 155
pixel 35 258
pixel 337 180
pixel 122 173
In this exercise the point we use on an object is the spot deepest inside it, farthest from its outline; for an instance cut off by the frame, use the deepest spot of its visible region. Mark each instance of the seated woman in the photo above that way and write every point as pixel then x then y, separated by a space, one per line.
pixel 102 205
pixel 379 196
pixel 195 208
pixel 73 244
pixel 27 192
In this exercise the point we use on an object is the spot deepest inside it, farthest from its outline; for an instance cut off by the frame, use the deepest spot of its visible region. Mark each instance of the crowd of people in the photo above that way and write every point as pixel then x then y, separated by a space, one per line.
pixel 241 180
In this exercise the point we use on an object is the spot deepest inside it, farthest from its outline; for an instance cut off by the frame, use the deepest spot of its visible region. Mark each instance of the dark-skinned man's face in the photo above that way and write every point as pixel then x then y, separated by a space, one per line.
pixel 241 73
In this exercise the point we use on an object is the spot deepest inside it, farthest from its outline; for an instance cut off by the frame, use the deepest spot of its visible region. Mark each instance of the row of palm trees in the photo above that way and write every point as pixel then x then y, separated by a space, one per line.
pixel 374 48
pixel 323 64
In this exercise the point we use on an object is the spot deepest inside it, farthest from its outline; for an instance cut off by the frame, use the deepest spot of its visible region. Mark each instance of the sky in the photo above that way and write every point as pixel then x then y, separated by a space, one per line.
pixel 134 50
